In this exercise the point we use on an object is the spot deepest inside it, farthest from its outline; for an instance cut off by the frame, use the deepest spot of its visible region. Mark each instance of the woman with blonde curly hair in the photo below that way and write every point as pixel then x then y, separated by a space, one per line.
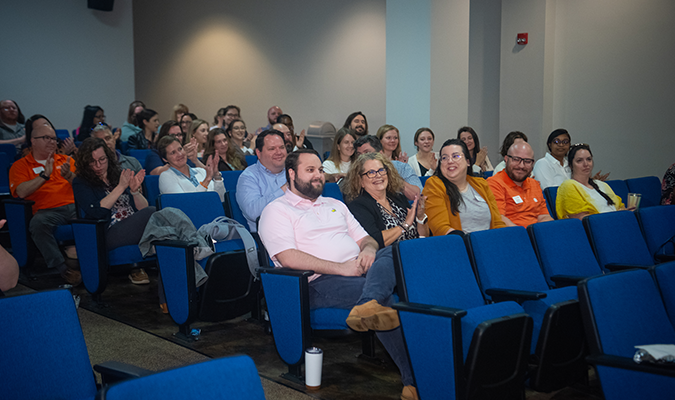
pixel 373 194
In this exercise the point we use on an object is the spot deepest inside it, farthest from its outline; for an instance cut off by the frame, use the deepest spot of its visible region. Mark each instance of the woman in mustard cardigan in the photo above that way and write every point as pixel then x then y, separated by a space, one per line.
pixel 582 195
pixel 455 199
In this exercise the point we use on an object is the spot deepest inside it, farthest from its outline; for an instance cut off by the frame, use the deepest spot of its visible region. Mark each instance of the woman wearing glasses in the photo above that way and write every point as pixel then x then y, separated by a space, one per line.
pixel 455 199
pixel 583 195
pixel 373 194
pixel 553 169
pixel 104 191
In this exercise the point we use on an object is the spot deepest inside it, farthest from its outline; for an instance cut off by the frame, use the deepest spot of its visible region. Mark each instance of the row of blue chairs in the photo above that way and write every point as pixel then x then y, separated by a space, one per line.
pixel 42 337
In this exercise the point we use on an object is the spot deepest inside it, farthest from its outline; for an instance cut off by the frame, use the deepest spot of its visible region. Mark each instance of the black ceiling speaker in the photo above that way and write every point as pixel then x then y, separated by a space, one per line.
pixel 101 5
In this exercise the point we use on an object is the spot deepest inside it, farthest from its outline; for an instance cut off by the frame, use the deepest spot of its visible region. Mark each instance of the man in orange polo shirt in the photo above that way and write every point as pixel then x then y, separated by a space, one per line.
pixel 519 197
pixel 45 178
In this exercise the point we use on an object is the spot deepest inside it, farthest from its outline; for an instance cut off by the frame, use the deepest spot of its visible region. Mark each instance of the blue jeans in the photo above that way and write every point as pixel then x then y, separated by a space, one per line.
pixel 336 291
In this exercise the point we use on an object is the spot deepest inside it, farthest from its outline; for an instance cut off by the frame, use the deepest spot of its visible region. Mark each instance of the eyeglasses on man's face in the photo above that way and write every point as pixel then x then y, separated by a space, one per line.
pixel 518 160
pixel 47 138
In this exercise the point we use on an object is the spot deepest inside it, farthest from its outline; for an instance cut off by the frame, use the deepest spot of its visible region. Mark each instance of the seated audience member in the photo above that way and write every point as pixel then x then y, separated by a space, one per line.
pixel 185 122
pixel 357 122
pixel 12 130
pixel 181 178
pixel 341 155
pixel 667 192
pixel 45 178
pixel 509 140
pixel 229 159
pixel 199 131
pixel 179 110
pixel 303 230
pixel 553 169
pixel 102 131
pixel 391 143
pixel 105 191
pixel 424 162
pixel 265 180
pixel 130 126
pixel 154 162
pixel 412 185
pixel 456 200
pixel 519 198
pixel 288 140
pixel 583 195
pixel 93 115
pixel 224 116
pixel 480 162
pixel 237 131
pixel 372 191
pixel 299 141
pixel 148 121
pixel 272 114
pixel 9 268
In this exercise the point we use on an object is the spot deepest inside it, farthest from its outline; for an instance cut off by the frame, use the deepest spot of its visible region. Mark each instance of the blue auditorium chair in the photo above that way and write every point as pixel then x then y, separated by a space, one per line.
pixel 331 189
pixel 508 269
pixel 665 280
pixel 140 155
pixel 251 159
pixel 151 189
pixel 423 179
pixel 44 353
pixel 658 228
pixel 230 179
pixel 220 379
pixel 649 187
pixel 175 258
pixel 8 149
pixel 619 188
pixel 617 241
pixel 62 134
pixel 621 310
pixel 563 251
pixel 5 163
pixel 487 174
pixel 124 147
pixel 458 346
pixel 550 194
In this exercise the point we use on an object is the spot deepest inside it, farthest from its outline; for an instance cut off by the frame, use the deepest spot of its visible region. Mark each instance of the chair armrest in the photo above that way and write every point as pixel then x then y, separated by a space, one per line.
pixel 175 243
pixel 620 267
pixel 115 371
pixel 86 221
pixel 665 257
pixel 441 311
pixel 629 364
pixel 19 201
pixel 566 280
pixel 514 295
pixel 285 271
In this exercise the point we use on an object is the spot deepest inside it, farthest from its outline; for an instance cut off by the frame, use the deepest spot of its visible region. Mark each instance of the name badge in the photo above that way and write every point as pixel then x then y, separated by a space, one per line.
pixel 37 170
pixel 517 199
pixel 535 199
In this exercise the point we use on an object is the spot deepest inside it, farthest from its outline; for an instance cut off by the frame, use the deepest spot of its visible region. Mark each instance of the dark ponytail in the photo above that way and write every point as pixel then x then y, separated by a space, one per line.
pixel 570 161
pixel 450 188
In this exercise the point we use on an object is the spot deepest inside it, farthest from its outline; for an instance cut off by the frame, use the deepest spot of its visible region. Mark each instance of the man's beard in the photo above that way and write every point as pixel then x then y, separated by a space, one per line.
pixel 307 189
pixel 512 175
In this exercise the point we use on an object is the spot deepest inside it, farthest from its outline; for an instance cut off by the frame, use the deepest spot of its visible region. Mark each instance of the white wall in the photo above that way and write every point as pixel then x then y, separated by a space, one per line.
pixel 316 60
pixel 59 56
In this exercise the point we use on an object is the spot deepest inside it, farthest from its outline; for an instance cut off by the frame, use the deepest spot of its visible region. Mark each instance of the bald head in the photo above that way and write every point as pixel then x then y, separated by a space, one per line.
pixel 288 138
pixel 519 162
pixel 521 149
pixel 273 113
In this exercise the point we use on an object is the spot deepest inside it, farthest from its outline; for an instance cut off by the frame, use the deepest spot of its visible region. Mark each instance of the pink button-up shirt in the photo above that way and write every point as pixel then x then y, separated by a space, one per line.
pixel 323 228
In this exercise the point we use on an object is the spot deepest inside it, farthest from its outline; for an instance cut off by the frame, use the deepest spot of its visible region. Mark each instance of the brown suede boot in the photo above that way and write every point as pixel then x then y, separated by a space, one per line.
pixel 409 393
pixel 372 315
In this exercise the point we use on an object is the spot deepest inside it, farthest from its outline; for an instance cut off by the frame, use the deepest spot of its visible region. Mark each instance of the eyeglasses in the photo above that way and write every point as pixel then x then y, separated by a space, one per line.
pixel 563 142
pixel 47 138
pixel 517 160
pixel 99 116
pixel 10 108
pixel 453 157
pixel 100 161
pixel 372 173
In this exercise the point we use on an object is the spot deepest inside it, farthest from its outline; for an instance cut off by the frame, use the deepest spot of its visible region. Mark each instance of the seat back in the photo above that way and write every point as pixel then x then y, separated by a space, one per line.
pixel 616 239
pixel 43 349
pixel 251 159
pixel 563 249
pixel 622 310
pixel 487 174
pixel 658 226
pixel 550 194
pixel 619 188
pixel 8 149
pixel 649 187
pixel 331 189
pixel 219 379
pixel 230 179
pixel 665 279
pixel 5 162
pixel 504 258
pixel 151 189
pixel 140 155
pixel 62 134
pixel 423 179
pixel 200 207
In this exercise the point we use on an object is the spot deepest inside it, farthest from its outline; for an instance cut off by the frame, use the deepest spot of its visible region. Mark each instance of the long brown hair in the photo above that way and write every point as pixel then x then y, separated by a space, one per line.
pixel 234 156
pixel 84 158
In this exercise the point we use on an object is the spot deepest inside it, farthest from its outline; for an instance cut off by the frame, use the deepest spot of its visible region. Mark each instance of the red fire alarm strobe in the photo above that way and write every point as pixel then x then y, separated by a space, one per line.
pixel 522 38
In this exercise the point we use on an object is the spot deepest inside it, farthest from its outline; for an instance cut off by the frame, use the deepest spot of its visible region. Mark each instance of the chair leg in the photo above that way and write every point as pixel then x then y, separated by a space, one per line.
pixel 294 374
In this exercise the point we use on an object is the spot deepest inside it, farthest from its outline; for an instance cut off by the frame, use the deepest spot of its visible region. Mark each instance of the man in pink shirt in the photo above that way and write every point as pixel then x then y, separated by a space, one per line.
pixel 305 231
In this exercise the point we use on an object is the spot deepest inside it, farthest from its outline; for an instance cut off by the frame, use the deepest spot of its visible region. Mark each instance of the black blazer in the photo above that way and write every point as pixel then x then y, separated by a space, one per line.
pixel 364 208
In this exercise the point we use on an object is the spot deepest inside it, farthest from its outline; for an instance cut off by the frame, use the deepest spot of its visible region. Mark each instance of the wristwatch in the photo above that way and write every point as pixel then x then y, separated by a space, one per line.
pixel 44 176
pixel 423 220
pixel 405 226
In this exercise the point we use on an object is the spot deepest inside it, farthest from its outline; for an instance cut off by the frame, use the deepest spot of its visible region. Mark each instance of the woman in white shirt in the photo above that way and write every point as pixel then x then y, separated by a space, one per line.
pixel 425 161
pixel 181 178
pixel 237 131
pixel 553 169
pixel 341 156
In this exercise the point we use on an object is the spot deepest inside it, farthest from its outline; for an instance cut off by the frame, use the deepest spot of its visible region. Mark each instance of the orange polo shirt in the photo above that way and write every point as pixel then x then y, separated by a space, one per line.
pixel 521 204
pixel 55 192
